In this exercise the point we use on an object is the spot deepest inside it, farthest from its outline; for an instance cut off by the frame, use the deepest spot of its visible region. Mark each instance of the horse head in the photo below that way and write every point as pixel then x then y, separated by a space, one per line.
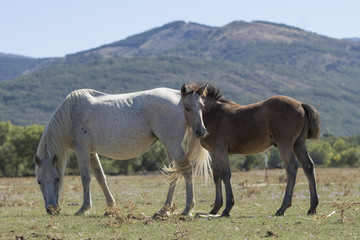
pixel 193 104
pixel 47 175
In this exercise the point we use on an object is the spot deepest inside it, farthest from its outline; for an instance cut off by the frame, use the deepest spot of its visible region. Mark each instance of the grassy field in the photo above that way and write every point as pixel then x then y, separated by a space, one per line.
pixel 22 212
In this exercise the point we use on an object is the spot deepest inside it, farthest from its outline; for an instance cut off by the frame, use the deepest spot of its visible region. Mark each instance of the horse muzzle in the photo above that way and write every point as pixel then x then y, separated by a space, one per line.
pixel 53 210
pixel 201 133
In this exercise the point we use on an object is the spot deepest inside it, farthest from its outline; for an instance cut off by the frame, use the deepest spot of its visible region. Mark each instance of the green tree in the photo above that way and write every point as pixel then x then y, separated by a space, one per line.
pixel 153 158
pixel 252 161
pixel 4 132
pixel 340 145
pixel 8 158
pixel 16 139
pixel 329 138
pixel 320 152
pixel 113 166
pixel 275 160
pixel 349 157
pixel 17 147
pixel 30 140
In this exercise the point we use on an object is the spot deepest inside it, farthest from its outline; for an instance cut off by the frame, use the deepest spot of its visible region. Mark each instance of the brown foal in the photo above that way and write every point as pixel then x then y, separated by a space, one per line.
pixel 225 127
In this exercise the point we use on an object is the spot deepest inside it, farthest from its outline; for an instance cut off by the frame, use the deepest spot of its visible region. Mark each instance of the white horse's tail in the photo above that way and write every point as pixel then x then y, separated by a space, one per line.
pixel 196 158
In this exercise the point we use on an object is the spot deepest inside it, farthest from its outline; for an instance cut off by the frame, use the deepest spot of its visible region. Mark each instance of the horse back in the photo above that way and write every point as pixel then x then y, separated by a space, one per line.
pixel 107 122
pixel 255 127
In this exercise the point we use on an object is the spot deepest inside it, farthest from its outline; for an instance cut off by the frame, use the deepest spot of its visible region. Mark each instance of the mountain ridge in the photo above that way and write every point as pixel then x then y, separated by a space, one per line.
pixel 249 61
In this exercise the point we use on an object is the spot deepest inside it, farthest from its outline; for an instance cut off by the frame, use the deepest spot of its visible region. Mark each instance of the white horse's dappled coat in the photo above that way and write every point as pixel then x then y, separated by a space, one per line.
pixel 120 126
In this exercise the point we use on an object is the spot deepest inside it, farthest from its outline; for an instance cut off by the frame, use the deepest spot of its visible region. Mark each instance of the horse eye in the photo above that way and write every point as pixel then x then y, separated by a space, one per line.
pixel 187 109
pixel 57 180
pixel 39 182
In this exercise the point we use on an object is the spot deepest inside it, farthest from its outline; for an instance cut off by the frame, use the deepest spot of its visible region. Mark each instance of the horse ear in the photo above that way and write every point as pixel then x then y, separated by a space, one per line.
pixel 183 90
pixel 37 160
pixel 54 160
pixel 202 90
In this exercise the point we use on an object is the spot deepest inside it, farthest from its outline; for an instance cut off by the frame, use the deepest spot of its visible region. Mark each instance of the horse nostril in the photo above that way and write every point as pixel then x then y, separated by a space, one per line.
pixel 201 133
pixel 198 133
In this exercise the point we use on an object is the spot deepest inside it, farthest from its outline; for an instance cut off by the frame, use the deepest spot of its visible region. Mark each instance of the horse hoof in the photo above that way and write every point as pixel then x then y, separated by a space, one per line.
pixel 214 211
pixel 225 214
pixel 311 212
pixel 161 215
pixel 111 204
pixel 279 213
pixel 156 215
pixel 186 213
pixel 81 212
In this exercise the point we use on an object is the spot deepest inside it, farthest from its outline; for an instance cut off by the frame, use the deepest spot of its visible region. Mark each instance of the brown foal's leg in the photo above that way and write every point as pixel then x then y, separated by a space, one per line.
pixel 309 169
pixel 225 173
pixel 291 167
pixel 217 180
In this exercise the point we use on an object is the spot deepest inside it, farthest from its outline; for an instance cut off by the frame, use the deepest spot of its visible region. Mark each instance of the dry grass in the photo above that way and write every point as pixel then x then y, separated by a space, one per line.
pixel 23 216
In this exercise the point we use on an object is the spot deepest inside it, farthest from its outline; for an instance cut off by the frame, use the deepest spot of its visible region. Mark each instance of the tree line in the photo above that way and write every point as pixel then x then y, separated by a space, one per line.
pixel 18 144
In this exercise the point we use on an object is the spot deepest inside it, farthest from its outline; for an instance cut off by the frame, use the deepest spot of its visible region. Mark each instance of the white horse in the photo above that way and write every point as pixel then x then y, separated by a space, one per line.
pixel 120 126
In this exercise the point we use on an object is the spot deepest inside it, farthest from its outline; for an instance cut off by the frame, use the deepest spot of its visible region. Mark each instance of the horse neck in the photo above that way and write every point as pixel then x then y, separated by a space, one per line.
pixel 55 139
pixel 51 145
pixel 211 104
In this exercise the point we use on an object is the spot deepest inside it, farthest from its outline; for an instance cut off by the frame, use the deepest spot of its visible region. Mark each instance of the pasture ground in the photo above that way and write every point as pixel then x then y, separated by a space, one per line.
pixel 23 216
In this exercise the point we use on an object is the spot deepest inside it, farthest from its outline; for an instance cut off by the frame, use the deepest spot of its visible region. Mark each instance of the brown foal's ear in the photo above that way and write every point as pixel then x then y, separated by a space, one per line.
pixel 37 160
pixel 183 90
pixel 202 90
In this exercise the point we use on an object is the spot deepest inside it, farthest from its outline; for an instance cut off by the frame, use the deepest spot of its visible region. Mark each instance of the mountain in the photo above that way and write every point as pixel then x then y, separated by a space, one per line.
pixel 12 55
pixel 249 61
pixel 13 66
pixel 352 39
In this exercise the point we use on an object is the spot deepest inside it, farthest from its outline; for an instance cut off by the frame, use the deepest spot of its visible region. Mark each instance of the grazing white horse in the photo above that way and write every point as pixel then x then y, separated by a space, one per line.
pixel 120 126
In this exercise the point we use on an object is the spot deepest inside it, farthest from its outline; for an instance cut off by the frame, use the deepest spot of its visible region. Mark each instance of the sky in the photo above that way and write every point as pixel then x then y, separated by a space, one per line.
pixel 43 28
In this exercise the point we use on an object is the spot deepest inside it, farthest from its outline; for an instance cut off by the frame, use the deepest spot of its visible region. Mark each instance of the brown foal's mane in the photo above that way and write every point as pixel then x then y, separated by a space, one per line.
pixel 211 92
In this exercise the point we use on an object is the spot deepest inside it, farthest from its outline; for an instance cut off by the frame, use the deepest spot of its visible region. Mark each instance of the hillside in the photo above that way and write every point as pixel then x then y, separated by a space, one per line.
pixel 13 66
pixel 248 61
pixel 352 39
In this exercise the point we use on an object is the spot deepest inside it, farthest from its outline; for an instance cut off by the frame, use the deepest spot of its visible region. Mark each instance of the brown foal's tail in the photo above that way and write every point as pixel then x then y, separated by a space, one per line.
pixel 314 121
pixel 196 159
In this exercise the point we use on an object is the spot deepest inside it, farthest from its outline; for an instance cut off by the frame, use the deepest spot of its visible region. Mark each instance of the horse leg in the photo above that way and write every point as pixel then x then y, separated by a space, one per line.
pixel 225 174
pixel 291 167
pixel 190 199
pixel 309 169
pixel 177 153
pixel 83 158
pixel 101 179
pixel 170 195
pixel 218 191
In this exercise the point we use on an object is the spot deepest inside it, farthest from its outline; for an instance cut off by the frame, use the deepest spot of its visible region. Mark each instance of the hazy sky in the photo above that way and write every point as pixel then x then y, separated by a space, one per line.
pixel 45 28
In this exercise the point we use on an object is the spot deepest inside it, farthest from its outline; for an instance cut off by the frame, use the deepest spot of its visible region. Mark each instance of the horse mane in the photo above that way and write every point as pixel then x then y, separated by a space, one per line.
pixel 56 136
pixel 211 92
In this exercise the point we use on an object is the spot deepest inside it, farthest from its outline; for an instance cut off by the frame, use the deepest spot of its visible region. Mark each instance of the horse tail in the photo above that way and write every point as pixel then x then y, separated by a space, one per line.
pixel 196 159
pixel 313 117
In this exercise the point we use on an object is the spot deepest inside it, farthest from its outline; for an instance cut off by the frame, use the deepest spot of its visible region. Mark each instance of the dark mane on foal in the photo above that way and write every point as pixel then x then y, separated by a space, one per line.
pixel 211 91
